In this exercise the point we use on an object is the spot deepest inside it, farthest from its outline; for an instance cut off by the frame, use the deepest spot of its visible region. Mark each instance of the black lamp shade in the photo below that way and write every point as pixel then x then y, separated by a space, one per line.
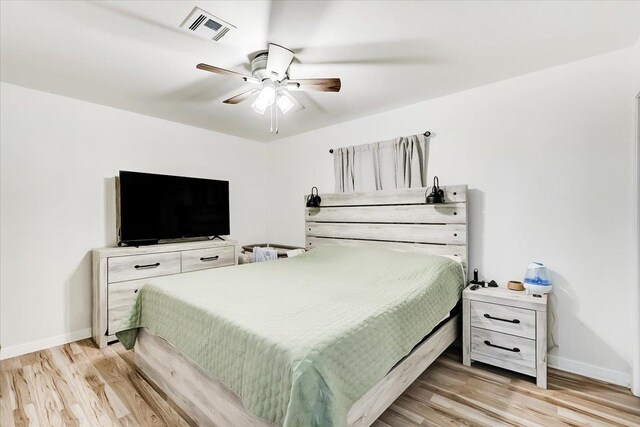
pixel 434 198
pixel 313 200
pixel 436 195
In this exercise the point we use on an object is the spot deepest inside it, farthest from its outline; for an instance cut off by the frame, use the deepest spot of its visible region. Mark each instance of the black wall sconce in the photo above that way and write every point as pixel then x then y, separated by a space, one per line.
pixel 313 200
pixel 437 194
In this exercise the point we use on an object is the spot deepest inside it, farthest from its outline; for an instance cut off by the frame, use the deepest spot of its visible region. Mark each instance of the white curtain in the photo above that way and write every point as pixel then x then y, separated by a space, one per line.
pixel 393 164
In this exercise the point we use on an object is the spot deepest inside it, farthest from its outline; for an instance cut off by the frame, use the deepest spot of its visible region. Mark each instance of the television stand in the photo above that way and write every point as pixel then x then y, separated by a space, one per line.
pixel 216 237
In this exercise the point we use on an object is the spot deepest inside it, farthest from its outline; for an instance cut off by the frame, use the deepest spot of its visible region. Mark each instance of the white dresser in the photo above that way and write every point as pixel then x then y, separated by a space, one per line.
pixel 507 329
pixel 119 272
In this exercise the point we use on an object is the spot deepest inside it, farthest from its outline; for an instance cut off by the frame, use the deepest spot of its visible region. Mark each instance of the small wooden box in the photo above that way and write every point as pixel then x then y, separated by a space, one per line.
pixel 507 329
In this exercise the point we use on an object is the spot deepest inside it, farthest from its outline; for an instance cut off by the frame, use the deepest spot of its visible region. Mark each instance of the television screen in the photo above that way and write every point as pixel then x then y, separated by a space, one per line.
pixel 157 207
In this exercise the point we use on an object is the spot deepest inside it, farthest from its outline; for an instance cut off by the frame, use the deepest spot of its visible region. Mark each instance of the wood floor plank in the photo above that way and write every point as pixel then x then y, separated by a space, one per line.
pixel 379 423
pixel 433 416
pixel 80 415
pixel 414 417
pixel 157 404
pixel 7 400
pixel 30 358
pixel 78 376
pixel 20 417
pixel 19 387
pixel 65 392
pixel 33 420
pixel 512 407
pixel 77 357
pixel 11 363
pixel 73 413
pixel 78 384
pixel 395 419
pixel 48 399
pixel 596 392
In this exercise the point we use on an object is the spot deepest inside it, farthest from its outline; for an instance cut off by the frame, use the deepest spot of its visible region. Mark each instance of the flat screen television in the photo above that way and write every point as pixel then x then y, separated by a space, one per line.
pixel 163 207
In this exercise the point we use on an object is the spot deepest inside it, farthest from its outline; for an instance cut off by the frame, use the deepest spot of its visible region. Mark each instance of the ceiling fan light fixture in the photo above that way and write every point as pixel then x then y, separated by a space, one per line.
pixel 265 99
pixel 284 103
pixel 270 77
pixel 259 107
pixel 267 94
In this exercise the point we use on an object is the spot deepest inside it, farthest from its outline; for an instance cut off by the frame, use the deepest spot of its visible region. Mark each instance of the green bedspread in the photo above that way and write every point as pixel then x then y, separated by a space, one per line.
pixel 301 339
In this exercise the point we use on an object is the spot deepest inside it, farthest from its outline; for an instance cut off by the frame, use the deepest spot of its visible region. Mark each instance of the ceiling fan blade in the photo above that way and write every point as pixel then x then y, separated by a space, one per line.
pixel 222 71
pixel 318 85
pixel 241 97
pixel 297 105
pixel 279 60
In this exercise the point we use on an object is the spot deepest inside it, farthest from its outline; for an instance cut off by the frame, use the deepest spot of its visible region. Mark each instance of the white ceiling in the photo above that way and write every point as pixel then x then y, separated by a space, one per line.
pixel 132 55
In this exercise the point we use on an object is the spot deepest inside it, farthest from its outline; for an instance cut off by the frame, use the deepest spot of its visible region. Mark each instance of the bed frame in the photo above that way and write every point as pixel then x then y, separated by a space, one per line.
pixel 397 219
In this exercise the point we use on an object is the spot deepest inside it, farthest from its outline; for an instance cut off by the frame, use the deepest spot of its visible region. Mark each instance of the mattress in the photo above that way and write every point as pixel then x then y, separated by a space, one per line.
pixel 301 339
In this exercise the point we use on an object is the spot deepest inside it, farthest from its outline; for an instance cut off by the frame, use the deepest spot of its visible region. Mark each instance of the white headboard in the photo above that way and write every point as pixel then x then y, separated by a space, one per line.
pixel 398 219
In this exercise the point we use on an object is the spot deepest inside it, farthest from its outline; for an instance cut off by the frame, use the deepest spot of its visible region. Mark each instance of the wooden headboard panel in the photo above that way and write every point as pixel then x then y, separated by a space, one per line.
pixel 398 219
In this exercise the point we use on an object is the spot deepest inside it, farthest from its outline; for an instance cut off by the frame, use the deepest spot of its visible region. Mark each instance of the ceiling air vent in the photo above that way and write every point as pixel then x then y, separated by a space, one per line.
pixel 205 25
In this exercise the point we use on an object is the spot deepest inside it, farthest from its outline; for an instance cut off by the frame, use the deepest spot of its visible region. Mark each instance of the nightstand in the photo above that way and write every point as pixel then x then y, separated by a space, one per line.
pixel 507 329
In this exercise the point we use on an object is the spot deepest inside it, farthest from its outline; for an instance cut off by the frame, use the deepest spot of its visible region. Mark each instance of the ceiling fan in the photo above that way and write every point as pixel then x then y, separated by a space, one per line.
pixel 269 72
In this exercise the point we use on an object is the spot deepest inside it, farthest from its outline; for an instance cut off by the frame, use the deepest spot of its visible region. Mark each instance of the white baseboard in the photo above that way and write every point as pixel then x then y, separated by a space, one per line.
pixel 591 371
pixel 29 347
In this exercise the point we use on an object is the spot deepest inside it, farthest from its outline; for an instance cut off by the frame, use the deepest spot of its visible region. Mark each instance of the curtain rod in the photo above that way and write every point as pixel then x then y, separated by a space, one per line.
pixel 427 134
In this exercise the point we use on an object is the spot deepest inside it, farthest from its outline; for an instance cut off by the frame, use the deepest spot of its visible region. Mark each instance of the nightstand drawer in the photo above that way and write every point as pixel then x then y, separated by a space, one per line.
pixel 142 266
pixel 201 259
pixel 503 350
pixel 502 318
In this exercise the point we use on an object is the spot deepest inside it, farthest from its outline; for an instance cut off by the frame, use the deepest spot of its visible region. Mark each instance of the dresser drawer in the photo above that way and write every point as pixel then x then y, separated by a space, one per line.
pixel 200 259
pixel 124 293
pixel 116 318
pixel 503 350
pixel 502 318
pixel 121 297
pixel 141 266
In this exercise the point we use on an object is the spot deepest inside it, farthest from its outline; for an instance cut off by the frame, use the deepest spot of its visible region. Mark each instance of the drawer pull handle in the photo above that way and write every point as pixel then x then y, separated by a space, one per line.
pixel 140 267
pixel 514 349
pixel 488 316
pixel 209 258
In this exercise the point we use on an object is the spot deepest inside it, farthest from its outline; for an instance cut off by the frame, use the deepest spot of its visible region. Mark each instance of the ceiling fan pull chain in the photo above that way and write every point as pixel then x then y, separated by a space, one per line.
pixel 271 118
pixel 276 113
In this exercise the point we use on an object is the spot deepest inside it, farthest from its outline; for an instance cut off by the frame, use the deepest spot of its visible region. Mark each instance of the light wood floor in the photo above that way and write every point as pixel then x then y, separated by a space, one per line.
pixel 78 384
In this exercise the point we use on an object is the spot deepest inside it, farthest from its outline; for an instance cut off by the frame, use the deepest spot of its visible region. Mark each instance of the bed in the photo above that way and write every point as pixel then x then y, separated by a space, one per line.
pixel 331 337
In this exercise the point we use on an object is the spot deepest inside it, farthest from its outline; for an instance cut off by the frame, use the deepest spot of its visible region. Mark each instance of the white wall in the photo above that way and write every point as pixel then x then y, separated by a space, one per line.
pixel 548 159
pixel 636 74
pixel 57 155
pixel 635 385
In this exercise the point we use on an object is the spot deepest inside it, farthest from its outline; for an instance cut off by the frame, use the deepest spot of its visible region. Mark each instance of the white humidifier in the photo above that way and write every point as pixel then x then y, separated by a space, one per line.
pixel 537 280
